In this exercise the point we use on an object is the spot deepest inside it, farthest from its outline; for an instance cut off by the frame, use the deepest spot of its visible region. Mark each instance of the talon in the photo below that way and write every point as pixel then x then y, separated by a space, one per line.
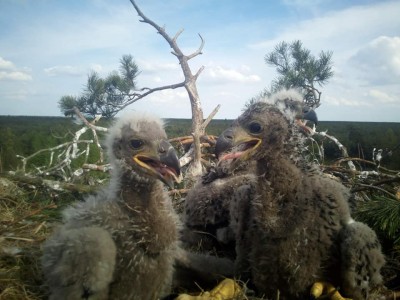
pixel 320 288
pixel 317 290
pixel 226 289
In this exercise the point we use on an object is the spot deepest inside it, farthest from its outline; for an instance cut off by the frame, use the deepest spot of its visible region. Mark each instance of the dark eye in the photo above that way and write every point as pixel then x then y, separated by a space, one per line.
pixel 255 127
pixel 136 144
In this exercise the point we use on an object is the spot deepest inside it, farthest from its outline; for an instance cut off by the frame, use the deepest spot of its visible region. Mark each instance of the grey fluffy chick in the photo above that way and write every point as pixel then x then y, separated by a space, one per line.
pixel 122 242
pixel 296 229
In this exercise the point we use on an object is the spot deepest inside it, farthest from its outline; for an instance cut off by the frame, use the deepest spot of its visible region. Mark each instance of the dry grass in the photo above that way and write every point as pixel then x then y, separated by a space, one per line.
pixel 24 224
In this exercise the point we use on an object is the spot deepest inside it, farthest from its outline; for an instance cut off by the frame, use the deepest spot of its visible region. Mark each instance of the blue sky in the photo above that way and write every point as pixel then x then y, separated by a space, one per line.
pixel 48 47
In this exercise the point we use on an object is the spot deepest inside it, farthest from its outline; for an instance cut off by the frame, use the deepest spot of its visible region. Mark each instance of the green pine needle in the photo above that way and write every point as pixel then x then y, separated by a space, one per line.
pixel 383 215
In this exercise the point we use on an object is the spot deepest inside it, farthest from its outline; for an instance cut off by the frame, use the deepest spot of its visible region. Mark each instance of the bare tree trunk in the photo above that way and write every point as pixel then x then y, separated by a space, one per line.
pixel 190 85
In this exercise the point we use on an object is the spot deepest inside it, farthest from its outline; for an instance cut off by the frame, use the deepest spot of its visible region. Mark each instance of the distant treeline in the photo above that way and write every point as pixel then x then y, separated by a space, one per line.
pixel 24 135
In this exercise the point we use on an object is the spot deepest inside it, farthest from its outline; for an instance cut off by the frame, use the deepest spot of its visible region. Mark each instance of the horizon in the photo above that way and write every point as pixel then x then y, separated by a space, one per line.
pixel 214 119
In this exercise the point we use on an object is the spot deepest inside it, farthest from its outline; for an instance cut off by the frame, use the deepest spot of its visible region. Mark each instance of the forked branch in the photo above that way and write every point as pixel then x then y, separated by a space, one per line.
pixel 189 84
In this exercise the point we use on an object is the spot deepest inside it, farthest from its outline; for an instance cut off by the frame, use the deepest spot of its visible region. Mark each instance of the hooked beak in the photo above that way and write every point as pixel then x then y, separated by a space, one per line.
pixel 311 115
pixel 236 144
pixel 308 114
pixel 224 142
pixel 164 165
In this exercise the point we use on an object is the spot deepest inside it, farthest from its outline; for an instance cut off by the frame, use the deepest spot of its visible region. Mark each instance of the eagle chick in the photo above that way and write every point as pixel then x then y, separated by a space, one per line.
pixel 121 243
pixel 207 204
pixel 296 228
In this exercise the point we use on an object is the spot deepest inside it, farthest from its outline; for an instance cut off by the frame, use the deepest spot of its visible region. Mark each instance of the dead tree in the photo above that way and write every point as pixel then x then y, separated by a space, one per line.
pixel 62 156
pixel 198 128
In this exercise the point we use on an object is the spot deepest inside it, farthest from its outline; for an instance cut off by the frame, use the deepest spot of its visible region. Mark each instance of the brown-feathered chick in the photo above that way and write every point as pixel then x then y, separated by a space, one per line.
pixel 207 204
pixel 296 228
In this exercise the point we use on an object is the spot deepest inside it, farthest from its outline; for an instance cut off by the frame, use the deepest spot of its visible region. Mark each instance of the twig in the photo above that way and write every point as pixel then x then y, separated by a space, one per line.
pixel 198 52
pixel 135 96
pixel 52 184
pixel 371 186
pixel 340 146
pixel 210 117
pixel 87 123
pixel 180 138
pixel 18 239
pixel 51 149
pixel 103 168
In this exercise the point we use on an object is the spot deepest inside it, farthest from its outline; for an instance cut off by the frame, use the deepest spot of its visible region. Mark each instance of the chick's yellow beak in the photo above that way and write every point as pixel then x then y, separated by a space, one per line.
pixel 163 164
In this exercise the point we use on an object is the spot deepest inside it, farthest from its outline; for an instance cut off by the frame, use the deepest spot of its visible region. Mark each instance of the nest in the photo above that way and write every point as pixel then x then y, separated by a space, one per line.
pixel 25 222
pixel 28 216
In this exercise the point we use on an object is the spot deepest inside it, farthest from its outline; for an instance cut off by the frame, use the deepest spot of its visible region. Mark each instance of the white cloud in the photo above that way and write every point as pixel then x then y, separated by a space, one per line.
pixel 15 75
pixel 347 32
pixel 96 67
pixel 73 70
pixel 64 70
pixel 342 101
pixel 379 60
pixel 11 73
pixel 156 67
pixel 5 64
pixel 382 97
pixel 157 79
pixel 166 103
pixel 15 94
pixel 168 96
pixel 340 31
pixel 221 74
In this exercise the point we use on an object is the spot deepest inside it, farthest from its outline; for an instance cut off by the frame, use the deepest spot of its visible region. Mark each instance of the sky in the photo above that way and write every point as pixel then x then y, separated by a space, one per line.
pixel 48 48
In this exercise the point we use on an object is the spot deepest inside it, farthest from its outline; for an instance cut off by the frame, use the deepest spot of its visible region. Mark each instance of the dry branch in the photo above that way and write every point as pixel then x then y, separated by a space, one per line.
pixel 102 168
pixel 189 84
pixel 62 156
pixel 210 117
pixel 190 155
pixel 68 154
pixel 340 146
pixel 133 97
pixel 37 182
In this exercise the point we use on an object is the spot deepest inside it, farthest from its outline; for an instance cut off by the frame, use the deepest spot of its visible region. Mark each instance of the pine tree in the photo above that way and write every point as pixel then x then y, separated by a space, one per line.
pixel 298 68
pixel 104 96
